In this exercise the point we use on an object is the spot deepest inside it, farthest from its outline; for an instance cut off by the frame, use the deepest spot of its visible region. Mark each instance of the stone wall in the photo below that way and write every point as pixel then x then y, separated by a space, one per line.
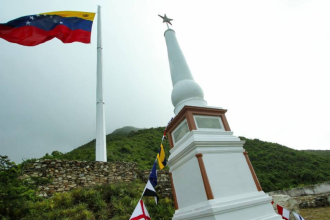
pixel 312 196
pixel 304 191
pixel 67 175
pixel 287 202
pixel 313 201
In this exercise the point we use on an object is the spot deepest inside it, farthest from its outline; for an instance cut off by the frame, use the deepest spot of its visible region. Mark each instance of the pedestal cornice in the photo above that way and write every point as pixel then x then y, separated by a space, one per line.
pixel 188 113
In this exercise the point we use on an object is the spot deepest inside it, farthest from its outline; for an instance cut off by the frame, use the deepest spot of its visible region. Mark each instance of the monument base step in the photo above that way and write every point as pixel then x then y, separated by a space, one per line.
pixel 251 206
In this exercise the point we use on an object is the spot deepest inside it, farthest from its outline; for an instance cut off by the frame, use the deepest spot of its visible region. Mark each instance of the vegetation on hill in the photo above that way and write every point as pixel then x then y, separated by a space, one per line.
pixel 15 190
pixel 277 167
pixel 139 146
pixel 125 130
pixel 115 201
pixel 320 153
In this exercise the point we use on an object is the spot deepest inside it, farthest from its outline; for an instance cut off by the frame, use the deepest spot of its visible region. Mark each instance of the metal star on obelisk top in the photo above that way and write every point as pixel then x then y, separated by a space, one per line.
pixel 166 19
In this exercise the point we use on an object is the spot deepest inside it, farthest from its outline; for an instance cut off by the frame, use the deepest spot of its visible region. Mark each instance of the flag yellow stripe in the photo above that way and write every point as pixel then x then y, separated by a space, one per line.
pixel 79 14
pixel 161 166
pixel 161 157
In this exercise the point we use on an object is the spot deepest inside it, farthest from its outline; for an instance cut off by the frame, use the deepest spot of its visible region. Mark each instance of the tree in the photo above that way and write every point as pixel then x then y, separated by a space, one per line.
pixel 13 188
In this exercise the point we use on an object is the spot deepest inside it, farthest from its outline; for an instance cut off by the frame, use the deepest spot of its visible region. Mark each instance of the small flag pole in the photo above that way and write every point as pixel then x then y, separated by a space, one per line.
pixel 100 151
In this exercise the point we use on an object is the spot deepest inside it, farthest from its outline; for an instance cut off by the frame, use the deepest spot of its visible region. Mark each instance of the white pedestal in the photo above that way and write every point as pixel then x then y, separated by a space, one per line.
pixel 235 194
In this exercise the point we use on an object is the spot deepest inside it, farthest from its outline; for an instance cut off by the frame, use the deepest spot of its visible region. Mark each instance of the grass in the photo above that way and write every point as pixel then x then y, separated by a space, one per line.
pixel 322 213
pixel 115 201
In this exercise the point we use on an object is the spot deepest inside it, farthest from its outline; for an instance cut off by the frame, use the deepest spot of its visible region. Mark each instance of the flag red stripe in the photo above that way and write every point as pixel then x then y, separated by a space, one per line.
pixel 32 36
pixel 142 207
pixel 141 217
pixel 280 211
pixel 144 213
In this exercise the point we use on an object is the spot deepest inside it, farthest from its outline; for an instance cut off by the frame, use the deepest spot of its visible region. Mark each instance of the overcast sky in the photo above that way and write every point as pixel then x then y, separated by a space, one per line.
pixel 267 62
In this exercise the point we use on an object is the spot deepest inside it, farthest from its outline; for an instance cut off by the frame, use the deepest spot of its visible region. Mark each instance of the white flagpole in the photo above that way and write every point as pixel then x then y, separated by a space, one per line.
pixel 100 151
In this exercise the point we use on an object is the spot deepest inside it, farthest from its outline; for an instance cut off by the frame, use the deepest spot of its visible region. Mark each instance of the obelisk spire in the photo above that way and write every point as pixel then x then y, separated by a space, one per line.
pixel 185 90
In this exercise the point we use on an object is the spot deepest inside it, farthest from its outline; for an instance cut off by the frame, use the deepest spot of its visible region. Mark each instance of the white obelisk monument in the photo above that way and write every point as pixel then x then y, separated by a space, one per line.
pixel 212 177
pixel 101 148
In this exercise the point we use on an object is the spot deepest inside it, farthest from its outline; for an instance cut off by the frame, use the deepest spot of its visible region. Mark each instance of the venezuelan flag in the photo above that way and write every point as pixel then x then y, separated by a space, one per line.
pixel 31 30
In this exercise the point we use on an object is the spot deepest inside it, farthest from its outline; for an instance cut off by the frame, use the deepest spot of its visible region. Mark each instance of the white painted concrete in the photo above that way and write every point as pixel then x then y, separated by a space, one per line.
pixel 238 179
pixel 188 196
pixel 185 90
pixel 101 150
pixel 235 194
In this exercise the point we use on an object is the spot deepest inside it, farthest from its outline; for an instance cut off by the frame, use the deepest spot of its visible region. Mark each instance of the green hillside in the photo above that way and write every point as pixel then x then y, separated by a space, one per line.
pixel 277 166
pixel 321 153
pixel 125 130
pixel 134 145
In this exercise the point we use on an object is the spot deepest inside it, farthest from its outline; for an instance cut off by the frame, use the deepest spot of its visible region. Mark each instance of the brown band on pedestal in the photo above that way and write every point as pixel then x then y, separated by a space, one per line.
pixel 225 122
pixel 207 186
pixel 174 193
pixel 169 136
pixel 191 121
pixel 255 178
pixel 188 112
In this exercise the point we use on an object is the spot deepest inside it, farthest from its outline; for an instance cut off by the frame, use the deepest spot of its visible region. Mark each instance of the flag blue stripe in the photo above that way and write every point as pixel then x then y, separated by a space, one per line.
pixel 48 22
pixel 153 175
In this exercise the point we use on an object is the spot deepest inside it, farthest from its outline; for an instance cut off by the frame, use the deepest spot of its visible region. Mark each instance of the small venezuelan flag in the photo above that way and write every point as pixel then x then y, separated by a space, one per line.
pixel 31 30
pixel 161 157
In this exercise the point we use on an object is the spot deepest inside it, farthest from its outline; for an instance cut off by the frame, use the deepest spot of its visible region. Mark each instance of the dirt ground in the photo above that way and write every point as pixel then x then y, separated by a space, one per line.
pixel 316 213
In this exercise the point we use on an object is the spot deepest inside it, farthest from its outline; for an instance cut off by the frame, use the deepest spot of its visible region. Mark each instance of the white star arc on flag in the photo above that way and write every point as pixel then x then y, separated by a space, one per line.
pixel 28 23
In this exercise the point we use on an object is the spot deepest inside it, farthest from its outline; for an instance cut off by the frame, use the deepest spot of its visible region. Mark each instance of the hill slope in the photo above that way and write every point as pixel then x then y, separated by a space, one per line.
pixel 139 146
pixel 277 166
pixel 280 167
pixel 322 153
pixel 125 130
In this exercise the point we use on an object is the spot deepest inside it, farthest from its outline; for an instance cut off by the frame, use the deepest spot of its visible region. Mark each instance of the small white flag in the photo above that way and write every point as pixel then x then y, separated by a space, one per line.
pixel 140 212
pixel 149 190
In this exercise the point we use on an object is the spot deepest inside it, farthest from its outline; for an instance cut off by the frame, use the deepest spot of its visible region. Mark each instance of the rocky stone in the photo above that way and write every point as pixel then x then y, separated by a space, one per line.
pixel 287 202
pixel 68 175
pixel 313 201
